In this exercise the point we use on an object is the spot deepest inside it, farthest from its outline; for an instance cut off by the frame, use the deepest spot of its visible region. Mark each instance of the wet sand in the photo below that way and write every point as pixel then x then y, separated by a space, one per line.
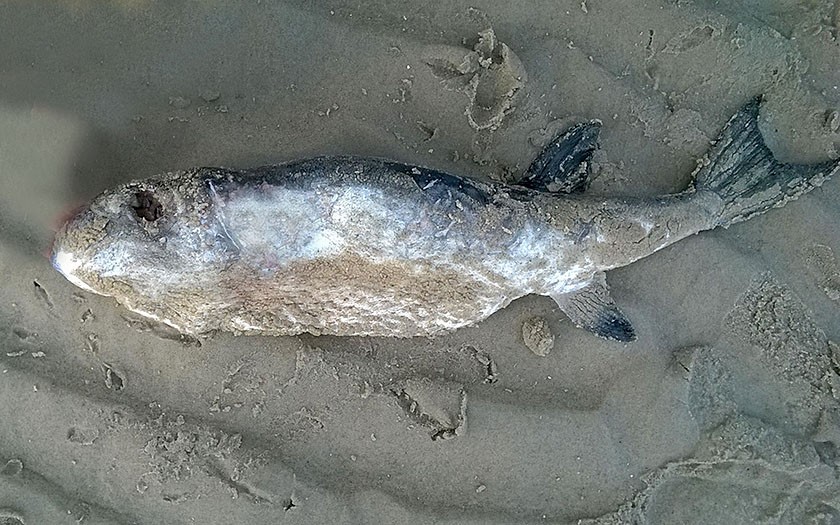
pixel 724 411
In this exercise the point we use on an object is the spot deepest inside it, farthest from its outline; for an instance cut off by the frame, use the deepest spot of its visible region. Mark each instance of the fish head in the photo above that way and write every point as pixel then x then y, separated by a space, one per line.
pixel 139 241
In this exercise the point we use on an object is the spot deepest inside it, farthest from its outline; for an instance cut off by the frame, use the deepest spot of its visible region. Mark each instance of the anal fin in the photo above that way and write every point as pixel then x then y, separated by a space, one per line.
pixel 592 308
pixel 563 166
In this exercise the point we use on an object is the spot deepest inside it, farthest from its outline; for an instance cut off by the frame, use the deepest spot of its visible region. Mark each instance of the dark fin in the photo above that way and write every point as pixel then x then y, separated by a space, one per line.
pixel 592 308
pixel 742 171
pixel 563 165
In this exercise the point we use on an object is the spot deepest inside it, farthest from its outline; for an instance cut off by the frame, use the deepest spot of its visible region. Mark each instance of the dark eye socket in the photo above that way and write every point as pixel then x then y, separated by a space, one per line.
pixel 147 206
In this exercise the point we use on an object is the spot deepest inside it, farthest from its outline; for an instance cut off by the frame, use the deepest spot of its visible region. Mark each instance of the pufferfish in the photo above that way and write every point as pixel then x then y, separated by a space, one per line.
pixel 369 247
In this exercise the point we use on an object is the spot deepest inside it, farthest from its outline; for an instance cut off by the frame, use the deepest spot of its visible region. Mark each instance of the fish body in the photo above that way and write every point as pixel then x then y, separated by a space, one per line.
pixel 358 246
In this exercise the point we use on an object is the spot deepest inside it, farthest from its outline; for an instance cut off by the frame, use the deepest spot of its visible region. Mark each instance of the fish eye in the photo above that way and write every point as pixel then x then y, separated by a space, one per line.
pixel 146 206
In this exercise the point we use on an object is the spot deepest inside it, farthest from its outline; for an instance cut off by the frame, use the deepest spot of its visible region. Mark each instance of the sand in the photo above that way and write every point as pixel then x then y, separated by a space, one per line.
pixel 724 411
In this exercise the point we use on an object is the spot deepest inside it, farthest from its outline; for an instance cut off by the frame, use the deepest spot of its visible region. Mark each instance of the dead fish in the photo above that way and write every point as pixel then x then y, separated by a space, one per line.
pixel 360 246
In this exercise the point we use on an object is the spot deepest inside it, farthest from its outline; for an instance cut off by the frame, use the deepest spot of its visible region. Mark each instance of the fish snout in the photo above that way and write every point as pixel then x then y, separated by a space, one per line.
pixel 72 245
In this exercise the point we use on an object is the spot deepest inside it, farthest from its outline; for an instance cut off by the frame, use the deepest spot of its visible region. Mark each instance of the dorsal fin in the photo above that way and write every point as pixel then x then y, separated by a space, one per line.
pixel 563 165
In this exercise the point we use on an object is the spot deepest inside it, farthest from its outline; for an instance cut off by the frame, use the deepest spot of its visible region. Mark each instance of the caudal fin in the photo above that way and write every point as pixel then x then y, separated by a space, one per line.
pixel 742 170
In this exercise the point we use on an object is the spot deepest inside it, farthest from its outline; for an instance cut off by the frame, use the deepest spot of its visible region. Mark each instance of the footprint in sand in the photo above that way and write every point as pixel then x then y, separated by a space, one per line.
pixel 491 76
pixel 765 399
pixel 42 295
pixel 439 406
pixel 10 517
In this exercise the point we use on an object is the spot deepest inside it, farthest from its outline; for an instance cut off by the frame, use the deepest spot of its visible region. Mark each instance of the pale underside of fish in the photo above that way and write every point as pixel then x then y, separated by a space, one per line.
pixel 358 246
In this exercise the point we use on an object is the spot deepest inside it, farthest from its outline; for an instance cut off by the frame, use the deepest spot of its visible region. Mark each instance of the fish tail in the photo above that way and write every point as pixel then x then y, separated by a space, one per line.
pixel 743 172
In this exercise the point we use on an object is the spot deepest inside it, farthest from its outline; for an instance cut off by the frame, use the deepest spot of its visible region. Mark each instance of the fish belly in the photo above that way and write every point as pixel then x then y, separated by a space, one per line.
pixel 355 259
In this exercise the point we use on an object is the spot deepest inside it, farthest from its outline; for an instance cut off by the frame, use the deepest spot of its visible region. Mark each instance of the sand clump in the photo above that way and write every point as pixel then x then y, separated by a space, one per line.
pixel 537 336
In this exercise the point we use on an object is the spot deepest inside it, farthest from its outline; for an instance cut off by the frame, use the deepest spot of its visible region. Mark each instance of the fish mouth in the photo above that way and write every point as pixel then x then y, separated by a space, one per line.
pixel 67 265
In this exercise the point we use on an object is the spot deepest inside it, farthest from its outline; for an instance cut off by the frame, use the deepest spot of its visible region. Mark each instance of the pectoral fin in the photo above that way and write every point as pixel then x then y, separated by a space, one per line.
pixel 563 166
pixel 593 309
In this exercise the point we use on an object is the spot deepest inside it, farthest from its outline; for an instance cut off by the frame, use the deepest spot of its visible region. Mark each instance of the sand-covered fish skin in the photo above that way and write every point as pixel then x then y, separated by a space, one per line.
pixel 357 246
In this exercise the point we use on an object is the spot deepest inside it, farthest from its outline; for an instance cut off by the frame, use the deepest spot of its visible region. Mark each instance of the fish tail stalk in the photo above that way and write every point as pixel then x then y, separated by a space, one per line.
pixel 742 171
